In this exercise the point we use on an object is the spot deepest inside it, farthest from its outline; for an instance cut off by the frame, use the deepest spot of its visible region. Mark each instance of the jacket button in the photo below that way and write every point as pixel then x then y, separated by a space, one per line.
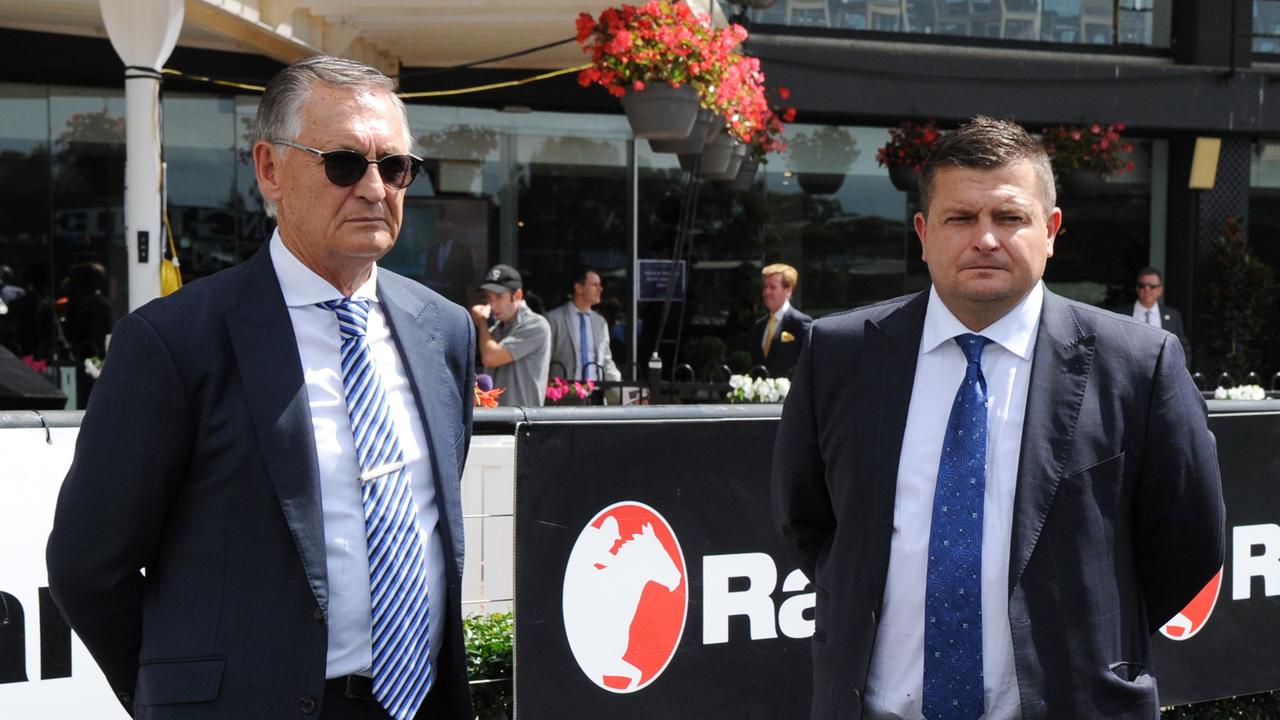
pixel 125 698
pixel 857 695
pixel 318 614
pixel 307 705
pixel 874 618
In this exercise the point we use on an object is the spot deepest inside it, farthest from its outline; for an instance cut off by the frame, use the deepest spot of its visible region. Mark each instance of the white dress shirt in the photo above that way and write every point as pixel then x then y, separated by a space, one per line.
pixel 1147 315
pixel 346 554
pixel 896 677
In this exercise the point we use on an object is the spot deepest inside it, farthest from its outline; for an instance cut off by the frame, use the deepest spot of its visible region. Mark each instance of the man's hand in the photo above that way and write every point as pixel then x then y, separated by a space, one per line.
pixel 480 314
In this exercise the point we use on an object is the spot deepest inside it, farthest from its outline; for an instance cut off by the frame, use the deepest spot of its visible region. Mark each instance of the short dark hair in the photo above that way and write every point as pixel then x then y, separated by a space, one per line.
pixel 986 143
pixel 1150 270
pixel 580 273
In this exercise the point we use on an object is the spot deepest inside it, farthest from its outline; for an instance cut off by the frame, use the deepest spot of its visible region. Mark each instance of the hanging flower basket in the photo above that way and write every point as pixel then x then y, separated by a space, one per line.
pixel 635 49
pixel 661 112
pixel 1096 148
pixel 717 155
pixel 746 177
pixel 704 127
pixel 738 154
pixel 905 178
pixel 820 183
pixel 1082 182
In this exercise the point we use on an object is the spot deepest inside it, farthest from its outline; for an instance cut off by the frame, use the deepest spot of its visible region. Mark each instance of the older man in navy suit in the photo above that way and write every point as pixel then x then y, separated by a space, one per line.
pixel 262 519
pixel 998 493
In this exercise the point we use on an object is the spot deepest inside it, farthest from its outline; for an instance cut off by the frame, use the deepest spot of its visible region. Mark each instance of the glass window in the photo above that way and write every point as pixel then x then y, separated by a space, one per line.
pixel 30 326
pixel 1266 26
pixel 1093 22
pixel 200 157
pixel 88 131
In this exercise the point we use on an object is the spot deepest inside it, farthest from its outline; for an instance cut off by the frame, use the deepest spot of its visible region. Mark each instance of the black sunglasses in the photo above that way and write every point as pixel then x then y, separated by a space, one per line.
pixel 344 168
pixel 1149 286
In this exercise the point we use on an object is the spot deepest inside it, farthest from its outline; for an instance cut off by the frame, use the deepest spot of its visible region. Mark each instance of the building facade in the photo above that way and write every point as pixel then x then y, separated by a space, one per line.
pixel 546 175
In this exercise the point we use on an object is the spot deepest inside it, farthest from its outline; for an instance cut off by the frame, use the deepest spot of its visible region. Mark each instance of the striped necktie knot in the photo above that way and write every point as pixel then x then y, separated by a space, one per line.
pixel 353 315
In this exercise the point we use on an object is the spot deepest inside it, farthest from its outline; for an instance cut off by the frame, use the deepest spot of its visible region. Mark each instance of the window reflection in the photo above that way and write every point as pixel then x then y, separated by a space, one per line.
pixel 1094 22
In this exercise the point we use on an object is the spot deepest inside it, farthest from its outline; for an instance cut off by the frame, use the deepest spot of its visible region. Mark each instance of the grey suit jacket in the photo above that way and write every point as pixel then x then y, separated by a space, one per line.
pixel 1118 513
pixel 566 342
pixel 196 461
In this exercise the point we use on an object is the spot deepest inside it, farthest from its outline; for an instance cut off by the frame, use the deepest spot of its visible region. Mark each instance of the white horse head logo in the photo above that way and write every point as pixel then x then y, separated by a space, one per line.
pixel 604 581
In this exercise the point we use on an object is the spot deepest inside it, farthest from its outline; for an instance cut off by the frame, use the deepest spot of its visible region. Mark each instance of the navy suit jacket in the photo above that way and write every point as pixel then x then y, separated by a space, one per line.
pixel 1118 513
pixel 196 462
pixel 783 355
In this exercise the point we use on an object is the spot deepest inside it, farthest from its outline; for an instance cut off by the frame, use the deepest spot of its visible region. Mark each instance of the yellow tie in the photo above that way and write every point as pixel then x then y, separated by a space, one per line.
pixel 768 334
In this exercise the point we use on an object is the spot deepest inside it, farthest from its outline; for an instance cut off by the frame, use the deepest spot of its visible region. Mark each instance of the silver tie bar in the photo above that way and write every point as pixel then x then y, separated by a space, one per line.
pixel 379 471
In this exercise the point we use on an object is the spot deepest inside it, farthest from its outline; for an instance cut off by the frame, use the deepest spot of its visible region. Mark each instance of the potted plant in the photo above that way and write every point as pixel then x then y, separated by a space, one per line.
pixel 909 146
pixel 1241 289
pixel 821 158
pixel 1082 156
pixel 658 58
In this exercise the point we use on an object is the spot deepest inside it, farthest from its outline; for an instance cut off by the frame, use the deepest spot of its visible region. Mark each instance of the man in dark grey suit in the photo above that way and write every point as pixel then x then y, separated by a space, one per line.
pixel 998 493
pixel 263 516
pixel 1149 310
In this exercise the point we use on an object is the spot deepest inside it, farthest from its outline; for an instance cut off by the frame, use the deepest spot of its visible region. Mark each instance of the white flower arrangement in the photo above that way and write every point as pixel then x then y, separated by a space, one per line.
pixel 93 367
pixel 747 389
pixel 1240 392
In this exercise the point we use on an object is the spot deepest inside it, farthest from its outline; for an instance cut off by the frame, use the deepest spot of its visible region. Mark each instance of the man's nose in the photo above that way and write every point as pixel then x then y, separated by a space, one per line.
pixel 985 237
pixel 370 187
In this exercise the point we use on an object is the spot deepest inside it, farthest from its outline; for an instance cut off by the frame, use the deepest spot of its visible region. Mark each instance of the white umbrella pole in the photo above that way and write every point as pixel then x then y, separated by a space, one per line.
pixel 143 33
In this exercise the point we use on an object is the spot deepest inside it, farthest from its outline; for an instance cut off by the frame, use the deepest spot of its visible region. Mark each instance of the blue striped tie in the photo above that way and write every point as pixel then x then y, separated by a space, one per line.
pixel 953 683
pixel 402 670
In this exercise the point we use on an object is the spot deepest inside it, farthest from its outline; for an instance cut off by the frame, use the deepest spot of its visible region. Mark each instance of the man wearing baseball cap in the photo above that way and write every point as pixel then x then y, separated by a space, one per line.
pixel 516 351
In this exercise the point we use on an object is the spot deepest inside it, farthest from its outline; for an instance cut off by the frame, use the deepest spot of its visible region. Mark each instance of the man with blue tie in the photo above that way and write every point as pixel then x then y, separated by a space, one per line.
pixel 580 335
pixel 1148 309
pixel 263 516
pixel 997 492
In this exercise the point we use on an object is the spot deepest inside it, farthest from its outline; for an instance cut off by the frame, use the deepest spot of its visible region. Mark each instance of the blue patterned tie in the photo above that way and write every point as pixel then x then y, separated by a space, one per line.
pixel 397 556
pixel 953 591
pixel 584 344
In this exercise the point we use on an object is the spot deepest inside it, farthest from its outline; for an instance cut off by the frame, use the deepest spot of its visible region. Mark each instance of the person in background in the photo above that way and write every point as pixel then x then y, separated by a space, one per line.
pixel 450 270
pixel 778 338
pixel 579 335
pixel 514 341
pixel 1149 310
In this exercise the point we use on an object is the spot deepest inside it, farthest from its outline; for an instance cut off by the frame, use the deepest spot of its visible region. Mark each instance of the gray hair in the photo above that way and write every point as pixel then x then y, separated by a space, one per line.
pixel 986 143
pixel 280 112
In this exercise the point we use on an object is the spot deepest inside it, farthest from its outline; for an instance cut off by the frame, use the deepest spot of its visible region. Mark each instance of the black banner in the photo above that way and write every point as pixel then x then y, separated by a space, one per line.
pixel 650 584
pixel 1237 652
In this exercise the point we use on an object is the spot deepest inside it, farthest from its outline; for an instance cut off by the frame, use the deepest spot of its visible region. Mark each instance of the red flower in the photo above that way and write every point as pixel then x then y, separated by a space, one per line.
pixel 1096 147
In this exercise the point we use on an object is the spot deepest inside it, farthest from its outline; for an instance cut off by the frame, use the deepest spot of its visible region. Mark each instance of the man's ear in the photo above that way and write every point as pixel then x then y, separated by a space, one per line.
pixel 266 166
pixel 921 226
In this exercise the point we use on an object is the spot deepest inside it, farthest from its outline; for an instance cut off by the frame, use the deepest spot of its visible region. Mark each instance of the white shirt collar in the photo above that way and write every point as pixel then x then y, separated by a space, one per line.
pixel 1015 331
pixel 1140 310
pixel 786 305
pixel 300 284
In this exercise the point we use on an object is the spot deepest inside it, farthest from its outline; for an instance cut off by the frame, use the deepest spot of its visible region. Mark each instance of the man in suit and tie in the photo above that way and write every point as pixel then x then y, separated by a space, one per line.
pixel 997 492
pixel 580 335
pixel 1148 309
pixel 262 519
pixel 778 338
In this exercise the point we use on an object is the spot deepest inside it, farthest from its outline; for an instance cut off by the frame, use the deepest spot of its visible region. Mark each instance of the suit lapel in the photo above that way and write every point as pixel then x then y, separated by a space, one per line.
pixel 266 353
pixel 1059 376
pixel 415 325
pixel 892 348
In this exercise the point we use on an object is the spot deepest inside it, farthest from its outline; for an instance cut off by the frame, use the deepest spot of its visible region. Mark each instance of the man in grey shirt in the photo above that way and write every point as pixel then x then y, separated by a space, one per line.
pixel 517 350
